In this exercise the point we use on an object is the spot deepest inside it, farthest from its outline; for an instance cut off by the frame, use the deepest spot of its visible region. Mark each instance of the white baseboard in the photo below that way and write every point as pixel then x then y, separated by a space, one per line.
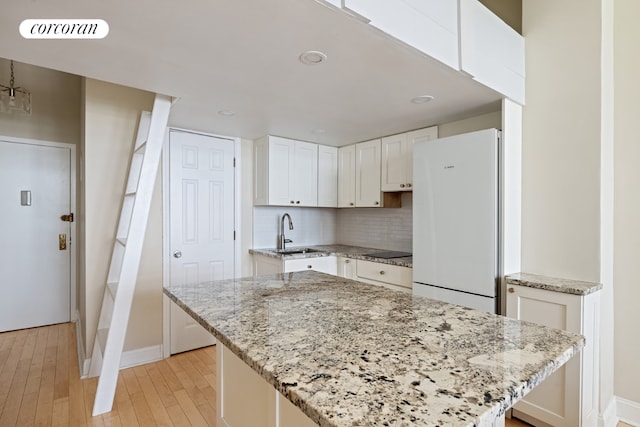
pixel 608 417
pixel 628 411
pixel 131 358
pixel 141 356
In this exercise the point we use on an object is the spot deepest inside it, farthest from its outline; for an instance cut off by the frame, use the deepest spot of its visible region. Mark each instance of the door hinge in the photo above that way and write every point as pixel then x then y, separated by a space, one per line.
pixel 234 162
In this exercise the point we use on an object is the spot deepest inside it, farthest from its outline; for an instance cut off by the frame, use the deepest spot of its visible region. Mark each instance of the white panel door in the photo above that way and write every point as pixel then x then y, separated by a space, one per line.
pixel 201 221
pixel 35 269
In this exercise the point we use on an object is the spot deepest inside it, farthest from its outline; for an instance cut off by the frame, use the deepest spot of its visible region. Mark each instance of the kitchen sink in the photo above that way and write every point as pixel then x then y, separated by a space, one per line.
pixel 294 251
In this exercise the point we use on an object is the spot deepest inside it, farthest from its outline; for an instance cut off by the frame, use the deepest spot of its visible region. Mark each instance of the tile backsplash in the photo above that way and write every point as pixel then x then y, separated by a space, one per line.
pixel 377 227
pixel 311 226
pixel 369 227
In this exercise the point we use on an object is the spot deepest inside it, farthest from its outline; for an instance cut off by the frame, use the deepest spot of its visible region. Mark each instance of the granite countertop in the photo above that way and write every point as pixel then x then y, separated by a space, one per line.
pixel 352 354
pixel 566 286
pixel 355 252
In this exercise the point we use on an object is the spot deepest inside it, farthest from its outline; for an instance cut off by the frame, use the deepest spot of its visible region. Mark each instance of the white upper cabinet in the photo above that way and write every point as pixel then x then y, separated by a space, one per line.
pixel 327 176
pixel 463 34
pixel 359 175
pixel 368 162
pixel 430 26
pixel 304 174
pixel 347 176
pixel 285 172
pixel 397 158
pixel 491 51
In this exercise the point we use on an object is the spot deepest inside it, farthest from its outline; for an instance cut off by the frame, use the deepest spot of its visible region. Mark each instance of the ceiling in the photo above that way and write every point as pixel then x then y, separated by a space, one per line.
pixel 243 56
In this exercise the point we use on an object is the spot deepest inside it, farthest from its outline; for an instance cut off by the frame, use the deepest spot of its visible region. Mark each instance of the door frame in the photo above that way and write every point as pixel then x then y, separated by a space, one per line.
pixel 73 238
pixel 166 223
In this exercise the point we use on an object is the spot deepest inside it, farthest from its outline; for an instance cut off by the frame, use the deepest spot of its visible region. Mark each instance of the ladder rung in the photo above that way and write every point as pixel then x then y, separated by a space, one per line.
pixel 122 240
pixel 140 148
pixel 113 289
pixel 102 338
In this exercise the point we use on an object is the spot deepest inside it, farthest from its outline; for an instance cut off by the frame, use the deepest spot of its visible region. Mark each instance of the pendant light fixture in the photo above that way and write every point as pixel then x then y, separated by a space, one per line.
pixel 14 99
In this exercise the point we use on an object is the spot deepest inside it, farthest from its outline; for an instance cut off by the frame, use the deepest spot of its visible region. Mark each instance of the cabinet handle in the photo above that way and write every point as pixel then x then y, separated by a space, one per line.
pixel 382 272
pixel 409 185
pixel 309 266
pixel 292 202
pixel 351 204
pixel 401 185
pixel 298 202
pixel 511 290
pixel 346 261
pixel 376 203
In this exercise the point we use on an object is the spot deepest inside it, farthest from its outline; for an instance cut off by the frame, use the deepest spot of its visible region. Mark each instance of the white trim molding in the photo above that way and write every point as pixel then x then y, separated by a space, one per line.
pixel 608 416
pixel 129 359
pixel 627 411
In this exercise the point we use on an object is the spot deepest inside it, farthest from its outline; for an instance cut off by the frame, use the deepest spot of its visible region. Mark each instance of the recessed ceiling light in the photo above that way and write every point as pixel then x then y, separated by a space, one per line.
pixel 423 99
pixel 312 57
pixel 227 113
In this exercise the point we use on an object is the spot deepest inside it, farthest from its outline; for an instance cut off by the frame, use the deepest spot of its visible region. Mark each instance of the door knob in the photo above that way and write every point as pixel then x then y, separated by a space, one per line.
pixel 177 254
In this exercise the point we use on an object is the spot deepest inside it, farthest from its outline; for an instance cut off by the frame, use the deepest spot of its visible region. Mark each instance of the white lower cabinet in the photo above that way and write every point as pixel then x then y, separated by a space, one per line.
pixel 569 397
pixel 244 398
pixel 347 268
pixel 325 264
pixel 267 265
pixel 393 277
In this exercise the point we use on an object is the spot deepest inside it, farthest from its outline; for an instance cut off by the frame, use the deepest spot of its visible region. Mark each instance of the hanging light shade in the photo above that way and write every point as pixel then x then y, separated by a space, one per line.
pixel 14 99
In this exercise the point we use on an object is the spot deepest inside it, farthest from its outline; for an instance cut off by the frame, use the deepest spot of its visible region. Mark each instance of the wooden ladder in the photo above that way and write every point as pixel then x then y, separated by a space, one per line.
pixel 127 250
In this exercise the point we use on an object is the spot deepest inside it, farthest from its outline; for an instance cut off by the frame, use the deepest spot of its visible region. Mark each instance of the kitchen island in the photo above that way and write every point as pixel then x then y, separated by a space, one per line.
pixel 350 354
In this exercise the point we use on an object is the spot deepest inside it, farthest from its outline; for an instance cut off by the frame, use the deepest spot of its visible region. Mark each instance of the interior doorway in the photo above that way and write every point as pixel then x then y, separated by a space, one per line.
pixel 200 219
pixel 37 194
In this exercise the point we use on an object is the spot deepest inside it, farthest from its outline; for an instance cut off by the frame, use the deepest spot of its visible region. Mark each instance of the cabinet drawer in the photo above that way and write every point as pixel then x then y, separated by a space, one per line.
pixel 385 273
pixel 326 264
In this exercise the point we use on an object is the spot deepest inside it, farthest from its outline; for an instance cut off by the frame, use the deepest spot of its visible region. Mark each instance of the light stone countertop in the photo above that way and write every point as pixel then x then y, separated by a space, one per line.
pixel 567 286
pixel 352 354
pixel 354 252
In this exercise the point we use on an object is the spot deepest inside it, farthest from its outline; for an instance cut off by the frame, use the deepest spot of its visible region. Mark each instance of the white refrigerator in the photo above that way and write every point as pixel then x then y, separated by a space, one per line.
pixel 455 219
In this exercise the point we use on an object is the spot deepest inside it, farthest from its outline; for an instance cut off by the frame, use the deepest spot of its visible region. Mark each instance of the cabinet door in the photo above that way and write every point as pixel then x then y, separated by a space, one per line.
pixel 266 265
pixel 347 268
pixel 304 174
pixel 395 158
pixel 347 176
pixel 557 400
pixel 368 174
pixel 412 138
pixel 430 26
pixel 280 172
pixel 327 264
pixel 327 176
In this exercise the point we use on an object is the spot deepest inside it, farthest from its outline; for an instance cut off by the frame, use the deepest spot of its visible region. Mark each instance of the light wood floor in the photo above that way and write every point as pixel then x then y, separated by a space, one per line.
pixel 40 385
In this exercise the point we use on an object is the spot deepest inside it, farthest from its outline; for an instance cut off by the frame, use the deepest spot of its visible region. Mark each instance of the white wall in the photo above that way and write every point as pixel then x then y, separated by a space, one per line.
pixel 111 115
pixel 627 200
pixel 561 139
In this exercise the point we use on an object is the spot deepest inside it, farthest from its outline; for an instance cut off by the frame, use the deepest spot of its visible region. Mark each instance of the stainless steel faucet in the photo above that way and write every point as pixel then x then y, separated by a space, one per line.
pixel 282 241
